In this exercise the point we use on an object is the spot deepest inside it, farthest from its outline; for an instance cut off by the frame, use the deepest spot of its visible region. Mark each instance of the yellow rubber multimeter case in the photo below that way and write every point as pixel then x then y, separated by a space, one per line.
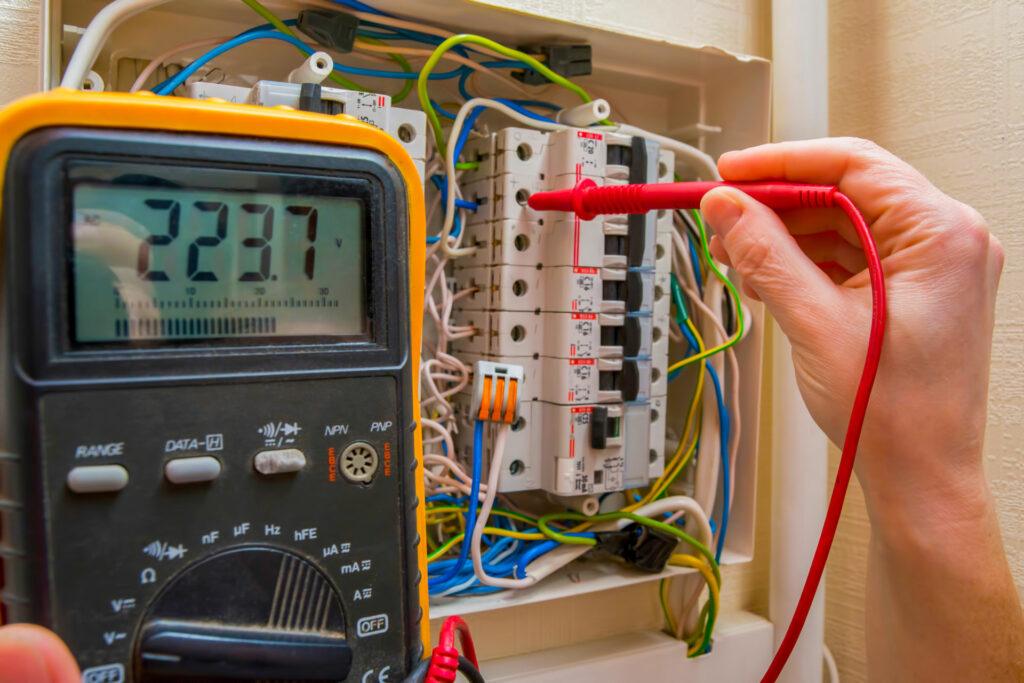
pixel 177 485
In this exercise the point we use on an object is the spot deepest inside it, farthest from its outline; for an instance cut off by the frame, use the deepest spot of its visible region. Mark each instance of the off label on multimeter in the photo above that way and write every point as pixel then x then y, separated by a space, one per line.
pixel 211 368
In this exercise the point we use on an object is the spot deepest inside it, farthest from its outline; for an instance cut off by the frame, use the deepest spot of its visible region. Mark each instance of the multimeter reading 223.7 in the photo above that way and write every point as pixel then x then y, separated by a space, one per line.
pixel 211 264
pixel 211 457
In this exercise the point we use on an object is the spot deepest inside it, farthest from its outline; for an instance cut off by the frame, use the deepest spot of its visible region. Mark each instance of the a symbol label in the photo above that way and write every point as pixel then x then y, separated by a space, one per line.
pixel 372 626
pixel 271 530
pixel 362 594
pixel 307 534
pixel 211 537
pixel 214 442
pixel 161 551
pixel 147 575
pixel 381 426
pixel 241 529
pixel 122 605
pixel 107 673
pixel 111 637
pixel 279 433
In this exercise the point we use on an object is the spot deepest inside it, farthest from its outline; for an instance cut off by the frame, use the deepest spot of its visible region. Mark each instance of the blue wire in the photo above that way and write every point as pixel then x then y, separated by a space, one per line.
pixel 361 7
pixel 443 112
pixel 695 260
pixel 463 91
pixel 723 443
pixel 506 64
pixel 532 554
pixel 474 497
pixel 538 103
pixel 724 432
pixel 169 85
pixel 511 104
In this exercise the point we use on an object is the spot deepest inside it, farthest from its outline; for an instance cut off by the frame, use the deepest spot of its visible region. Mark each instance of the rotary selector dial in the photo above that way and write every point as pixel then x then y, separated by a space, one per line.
pixel 250 612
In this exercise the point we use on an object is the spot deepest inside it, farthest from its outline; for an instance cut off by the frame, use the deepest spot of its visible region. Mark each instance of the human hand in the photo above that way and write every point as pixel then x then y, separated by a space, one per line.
pixel 31 654
pixel 926 419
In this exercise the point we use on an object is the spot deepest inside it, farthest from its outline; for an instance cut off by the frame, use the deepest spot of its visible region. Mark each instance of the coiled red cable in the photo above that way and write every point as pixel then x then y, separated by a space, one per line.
pixel 589 200
pixel 444 660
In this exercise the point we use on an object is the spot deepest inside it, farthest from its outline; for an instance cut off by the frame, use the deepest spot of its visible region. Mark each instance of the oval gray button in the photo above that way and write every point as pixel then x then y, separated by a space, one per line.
pixel 97 478
pixel 282 461
pixel 192 470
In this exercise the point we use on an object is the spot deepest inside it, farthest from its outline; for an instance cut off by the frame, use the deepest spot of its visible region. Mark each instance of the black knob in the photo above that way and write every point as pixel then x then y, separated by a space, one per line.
pixel 249 613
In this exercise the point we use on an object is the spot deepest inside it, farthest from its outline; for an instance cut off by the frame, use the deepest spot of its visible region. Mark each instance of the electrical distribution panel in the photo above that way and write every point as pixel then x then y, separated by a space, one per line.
pixel 583 306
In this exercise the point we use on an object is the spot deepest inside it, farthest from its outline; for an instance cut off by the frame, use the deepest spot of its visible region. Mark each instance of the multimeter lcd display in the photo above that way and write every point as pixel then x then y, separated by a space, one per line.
pixel 181 254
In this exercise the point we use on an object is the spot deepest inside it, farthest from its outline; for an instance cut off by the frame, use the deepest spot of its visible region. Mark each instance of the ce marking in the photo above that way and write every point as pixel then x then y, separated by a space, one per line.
pixel 383 677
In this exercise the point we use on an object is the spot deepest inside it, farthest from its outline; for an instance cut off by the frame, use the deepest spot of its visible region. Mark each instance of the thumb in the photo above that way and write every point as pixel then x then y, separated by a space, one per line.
pixel 31 654
pixel 770 261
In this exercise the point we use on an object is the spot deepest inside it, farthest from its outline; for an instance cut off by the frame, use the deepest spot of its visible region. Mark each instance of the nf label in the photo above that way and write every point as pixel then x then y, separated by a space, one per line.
pixel 372 626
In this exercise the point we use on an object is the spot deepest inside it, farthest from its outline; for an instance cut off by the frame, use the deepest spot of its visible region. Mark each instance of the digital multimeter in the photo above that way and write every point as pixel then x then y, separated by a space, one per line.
pixel 212 323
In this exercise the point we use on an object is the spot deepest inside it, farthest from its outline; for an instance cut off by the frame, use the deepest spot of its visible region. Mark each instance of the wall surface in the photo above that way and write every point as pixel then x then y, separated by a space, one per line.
pixel 736 25
pixel 941 83
pixel 20 56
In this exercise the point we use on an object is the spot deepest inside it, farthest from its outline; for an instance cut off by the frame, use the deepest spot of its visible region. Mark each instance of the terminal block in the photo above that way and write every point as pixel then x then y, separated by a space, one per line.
pixel 566 60
pixel 495 391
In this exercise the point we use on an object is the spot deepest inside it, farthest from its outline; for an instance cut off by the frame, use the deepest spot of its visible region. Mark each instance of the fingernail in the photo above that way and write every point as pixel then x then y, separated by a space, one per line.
pixel 722 207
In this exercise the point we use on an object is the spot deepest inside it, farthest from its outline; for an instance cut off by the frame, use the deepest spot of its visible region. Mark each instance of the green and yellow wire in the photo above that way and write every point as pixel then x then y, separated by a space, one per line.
pixel 462 38
pixel 740 321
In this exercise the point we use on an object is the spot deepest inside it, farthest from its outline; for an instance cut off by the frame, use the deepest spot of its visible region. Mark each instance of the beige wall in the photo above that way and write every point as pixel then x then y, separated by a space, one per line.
pixel 941 83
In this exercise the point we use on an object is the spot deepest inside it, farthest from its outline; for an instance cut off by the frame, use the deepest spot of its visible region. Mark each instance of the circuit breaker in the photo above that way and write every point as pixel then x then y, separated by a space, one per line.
pixel 582 305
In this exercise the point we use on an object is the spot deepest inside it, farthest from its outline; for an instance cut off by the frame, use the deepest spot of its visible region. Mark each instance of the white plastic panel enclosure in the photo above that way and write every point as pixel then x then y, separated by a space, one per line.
pixel 664 87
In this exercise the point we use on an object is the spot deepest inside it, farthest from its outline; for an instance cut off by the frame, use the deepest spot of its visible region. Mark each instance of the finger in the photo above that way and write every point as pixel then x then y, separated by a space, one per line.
pixel 770 261
pixel 835 272
pixel 718 251
pixel 810 221
pixel 869 175
pixel 31 654
pixel 829 247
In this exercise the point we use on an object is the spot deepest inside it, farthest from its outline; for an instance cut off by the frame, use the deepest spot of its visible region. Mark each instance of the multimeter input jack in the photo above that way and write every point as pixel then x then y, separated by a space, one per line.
pixel 359 462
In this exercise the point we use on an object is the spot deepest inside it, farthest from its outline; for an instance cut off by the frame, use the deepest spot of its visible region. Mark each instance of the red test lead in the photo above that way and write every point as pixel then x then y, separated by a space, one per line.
pixel 588 200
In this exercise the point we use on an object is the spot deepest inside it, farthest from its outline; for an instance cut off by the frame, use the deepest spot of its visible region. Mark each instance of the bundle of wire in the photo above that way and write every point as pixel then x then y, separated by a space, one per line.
pixel 480 542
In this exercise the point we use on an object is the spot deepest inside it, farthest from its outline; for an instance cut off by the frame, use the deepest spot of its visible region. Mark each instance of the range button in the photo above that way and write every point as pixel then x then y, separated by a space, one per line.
pixel 97 478
pixel 280 461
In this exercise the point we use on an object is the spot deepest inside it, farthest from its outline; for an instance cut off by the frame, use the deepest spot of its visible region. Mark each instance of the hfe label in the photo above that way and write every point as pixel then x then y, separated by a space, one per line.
pixel 372 626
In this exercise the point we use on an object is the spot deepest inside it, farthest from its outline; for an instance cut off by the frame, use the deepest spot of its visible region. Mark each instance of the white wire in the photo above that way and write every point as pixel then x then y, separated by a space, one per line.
pixel 96 34
pixel 159 60
pixel 713 316
pixel 498 454
pixel 830 664
pixel 453 250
